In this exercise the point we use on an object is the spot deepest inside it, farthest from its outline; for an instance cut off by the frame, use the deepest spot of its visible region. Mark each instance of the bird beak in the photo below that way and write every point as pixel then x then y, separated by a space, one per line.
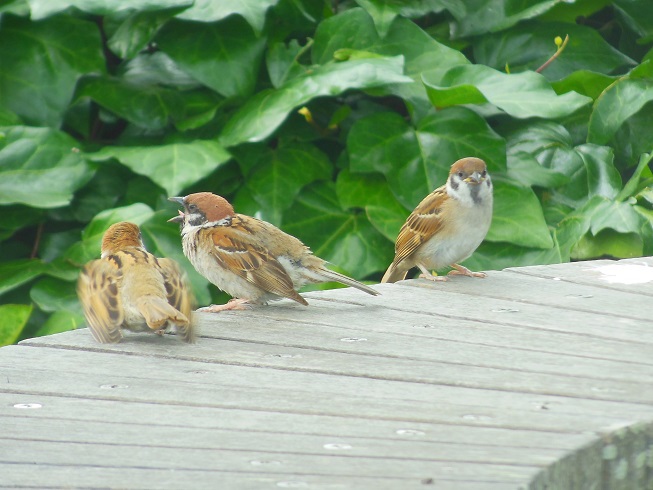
pixel 177 219
pixel 178 200
pixel 475 178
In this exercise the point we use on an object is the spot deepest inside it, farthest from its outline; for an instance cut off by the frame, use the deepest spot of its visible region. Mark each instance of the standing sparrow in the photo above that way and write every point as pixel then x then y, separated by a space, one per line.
pixel 447 226
pixel 130 288
pixel 250 259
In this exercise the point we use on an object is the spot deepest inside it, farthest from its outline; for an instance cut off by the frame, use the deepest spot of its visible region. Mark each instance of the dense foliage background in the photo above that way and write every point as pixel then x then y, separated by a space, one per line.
pixel 331 119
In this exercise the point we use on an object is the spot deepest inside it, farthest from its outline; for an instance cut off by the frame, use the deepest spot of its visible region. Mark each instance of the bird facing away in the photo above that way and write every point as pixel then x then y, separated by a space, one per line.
pixel 250 259
pixel 129 288
pixel 447 226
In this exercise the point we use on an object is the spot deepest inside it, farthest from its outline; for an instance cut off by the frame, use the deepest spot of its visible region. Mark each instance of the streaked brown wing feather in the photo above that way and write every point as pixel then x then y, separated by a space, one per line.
pixel 98 291
pixel 421 225
pixel 179 294
pixel 235 250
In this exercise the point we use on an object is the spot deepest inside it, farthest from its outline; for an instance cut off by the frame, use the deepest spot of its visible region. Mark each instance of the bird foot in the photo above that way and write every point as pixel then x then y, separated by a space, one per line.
pixel 459 270
pixel 232 304
pixel 433 278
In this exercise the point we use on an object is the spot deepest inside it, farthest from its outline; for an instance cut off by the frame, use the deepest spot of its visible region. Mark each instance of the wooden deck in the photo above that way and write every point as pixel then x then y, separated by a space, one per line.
pixel 536 377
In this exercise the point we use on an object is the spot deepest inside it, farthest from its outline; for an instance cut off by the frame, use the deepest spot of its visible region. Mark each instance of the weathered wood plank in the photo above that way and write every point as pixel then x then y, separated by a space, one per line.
pixel 282 445
pixel 420 367
pixel 61 476
pixel 443 303
pixel 599 273
pixel 167 381
pixel 83 410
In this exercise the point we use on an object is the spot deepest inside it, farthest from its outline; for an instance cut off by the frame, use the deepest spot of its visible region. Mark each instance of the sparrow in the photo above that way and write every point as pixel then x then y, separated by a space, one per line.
pixel 447 226
pixel 250 259
pixel 129 288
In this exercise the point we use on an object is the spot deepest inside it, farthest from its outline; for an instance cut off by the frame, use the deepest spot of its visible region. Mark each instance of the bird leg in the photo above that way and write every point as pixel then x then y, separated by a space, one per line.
pixel 232 304
pixel 460 270
pixel 426 274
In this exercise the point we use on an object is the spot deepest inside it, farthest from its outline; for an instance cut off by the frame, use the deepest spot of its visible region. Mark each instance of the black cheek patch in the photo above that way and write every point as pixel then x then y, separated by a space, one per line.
pixel 454 184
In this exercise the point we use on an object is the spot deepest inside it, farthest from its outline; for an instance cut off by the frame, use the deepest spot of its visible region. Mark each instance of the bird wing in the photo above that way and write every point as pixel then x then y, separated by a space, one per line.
pixel 236 249
pixel 422 224
pixel 179 294
pixel 98 291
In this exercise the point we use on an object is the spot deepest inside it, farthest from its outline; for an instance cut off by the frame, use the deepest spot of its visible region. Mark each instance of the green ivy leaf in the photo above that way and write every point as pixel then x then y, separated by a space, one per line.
pixel 347 240
pixel 608 242
pixel 148 106
pixel 526 170
pixel 174 166
pixel 522 225
pixel 521 95
pixel 259 117
pixel 621 100
pixel 275 183
pixel 372 193
pixel 253 11
pixel 498 256
pixel 40 9
pixel 89 248
pixel 225 57
pixel 53 295
pixel 637 15
pixel 416 161
pixel 482 16
pixel 585 83
pixel 42 61
pixel 12 321
pixel 60 321
pixel 354 29
pixel 590 168
pixel 18 272
pixel 40 167
pixel 530 44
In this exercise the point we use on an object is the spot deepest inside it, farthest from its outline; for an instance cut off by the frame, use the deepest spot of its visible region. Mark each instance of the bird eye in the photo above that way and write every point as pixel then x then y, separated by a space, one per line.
pixel 192 207
pixel 484 173
pixel 461 175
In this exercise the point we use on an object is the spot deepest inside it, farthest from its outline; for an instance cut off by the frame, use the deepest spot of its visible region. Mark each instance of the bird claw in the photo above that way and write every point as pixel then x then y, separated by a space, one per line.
pixel 459 270
pixel 232 304
pixel 431 277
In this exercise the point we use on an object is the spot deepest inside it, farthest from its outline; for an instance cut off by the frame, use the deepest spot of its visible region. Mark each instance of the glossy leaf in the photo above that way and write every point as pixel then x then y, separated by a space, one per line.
pixel 481 16
pixel 60 321
pixel 529 45
pixel 174 166
pixel 18 272
pixel 259 117
pixel 372 193
pixel 41 62
pixel 40 167
pixel 52 295
pixel 522 225
pixel 347 240
pixel 521 95
pixel 620 101
pixel 210 11
pixel 584 82
pixel 41 9
pixel 152 107
pixel 225 56
pixel 282 173
pixel 637 15
pixel 417 160
pixel 500 255
pixel 12 321
pixel 354 29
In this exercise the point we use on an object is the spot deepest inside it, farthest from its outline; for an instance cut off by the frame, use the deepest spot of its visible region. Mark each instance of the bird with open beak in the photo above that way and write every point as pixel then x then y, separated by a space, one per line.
pixel 250 259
